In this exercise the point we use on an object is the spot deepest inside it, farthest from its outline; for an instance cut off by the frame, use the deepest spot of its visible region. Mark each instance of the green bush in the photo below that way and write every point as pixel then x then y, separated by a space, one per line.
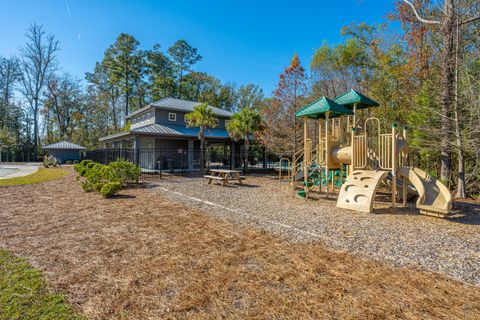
pixel 96 175
pixel 85 162
pixel 111 188
pixel 123 171
pixel 77 166
pixel 106 179
pixel 82 171
pixel 86 186
pixel 68 162
pixel 75 161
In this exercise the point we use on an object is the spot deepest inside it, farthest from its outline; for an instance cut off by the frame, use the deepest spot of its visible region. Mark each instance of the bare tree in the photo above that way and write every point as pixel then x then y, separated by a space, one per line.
pixel 449 23
pixel 38 61
pixel 9 76
pixel 66 101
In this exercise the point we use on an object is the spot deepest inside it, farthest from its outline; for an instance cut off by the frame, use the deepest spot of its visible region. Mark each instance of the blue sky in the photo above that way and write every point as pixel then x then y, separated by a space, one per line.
pixel 240 41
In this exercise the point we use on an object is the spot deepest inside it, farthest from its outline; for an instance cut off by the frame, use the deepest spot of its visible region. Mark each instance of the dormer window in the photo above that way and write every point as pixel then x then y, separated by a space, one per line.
pixel 172 116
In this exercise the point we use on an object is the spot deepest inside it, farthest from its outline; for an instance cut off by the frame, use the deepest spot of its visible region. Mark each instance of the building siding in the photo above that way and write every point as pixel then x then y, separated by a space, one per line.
pixel 64 155
pixel 161 117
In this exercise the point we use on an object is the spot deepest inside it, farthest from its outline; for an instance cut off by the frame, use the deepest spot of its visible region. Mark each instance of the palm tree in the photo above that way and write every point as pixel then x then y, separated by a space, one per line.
pixel 243 125
pixel 202 117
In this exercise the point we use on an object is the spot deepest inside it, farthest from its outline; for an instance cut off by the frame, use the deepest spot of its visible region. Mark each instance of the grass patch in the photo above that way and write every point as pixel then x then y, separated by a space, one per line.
pixel 42 175
pixel 24 295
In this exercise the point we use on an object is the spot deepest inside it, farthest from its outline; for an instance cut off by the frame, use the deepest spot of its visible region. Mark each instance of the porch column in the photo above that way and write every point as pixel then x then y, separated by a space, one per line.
pixel 190 152
pixel 136 151
pixel 232 155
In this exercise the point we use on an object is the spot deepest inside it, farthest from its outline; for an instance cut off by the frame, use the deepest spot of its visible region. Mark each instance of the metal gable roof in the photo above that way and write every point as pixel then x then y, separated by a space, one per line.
pixel 179 130
pixel 318 108
pixel 179 105
pixel 64 145
pixel 115 135
pixel 169 130
pixel 349 98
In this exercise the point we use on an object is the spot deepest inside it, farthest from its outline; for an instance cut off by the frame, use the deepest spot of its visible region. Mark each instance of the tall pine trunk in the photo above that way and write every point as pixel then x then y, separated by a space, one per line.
pixel 127 88
pixel 461 183
pixel 447 92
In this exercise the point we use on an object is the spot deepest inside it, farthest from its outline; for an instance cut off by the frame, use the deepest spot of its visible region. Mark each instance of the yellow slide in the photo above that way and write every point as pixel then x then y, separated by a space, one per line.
pixel 358 192
pixel 434 198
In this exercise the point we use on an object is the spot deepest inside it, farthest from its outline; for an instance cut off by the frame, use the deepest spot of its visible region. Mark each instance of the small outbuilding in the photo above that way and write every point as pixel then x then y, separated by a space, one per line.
pixel 64 151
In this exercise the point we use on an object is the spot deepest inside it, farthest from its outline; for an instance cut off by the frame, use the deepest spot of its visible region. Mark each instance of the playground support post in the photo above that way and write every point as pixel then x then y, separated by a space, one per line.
pixel 394 163
pixel 405 179
pixel 320 152
pixel 354 115
pixel 327 151
pixel 352 162
pixel 305 158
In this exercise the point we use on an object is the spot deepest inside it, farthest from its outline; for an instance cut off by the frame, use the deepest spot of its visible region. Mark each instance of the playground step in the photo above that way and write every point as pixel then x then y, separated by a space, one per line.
pixel 302 193
pixel 358 191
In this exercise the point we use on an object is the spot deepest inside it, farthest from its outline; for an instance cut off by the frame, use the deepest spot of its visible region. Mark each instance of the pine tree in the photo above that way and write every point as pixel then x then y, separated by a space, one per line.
pixel 280 126
pixel 125 65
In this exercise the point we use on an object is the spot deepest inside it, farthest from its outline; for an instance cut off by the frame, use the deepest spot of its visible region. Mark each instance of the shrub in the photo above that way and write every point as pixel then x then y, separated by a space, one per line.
pixel 123 171
pixel 77 167
pixel 46 162
pixel 106 179
pixel 95 174
pixel 86 186
pixel 82 171
pixel 75 161
pixel 85 162
pixel 68 162
pixel 111 188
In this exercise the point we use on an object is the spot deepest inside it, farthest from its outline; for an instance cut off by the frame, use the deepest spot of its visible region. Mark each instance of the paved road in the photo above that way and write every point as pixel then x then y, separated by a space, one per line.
pixel 8 171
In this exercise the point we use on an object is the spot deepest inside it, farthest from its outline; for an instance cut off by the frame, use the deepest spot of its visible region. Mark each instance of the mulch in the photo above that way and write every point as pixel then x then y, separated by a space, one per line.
pixel 142 256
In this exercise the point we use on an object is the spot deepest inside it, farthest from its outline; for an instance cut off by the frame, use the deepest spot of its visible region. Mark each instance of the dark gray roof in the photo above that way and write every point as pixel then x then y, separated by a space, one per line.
pixel 64 145
pixel 179 105
pixel 179 130
pixel 115 135
pixel 171 130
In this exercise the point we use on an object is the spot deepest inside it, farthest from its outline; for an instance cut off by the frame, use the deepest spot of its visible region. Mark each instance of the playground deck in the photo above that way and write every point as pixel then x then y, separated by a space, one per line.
pixel 400 236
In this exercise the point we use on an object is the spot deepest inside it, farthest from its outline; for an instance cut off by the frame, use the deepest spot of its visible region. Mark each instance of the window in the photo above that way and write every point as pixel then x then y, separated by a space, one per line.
pixel 172 116
pixel 185 118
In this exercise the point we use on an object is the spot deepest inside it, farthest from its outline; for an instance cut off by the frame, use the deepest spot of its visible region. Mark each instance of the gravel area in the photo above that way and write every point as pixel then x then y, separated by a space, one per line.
pixel 400 237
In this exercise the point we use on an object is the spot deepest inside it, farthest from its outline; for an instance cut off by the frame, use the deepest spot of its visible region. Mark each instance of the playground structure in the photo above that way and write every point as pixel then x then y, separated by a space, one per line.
pixel 352 153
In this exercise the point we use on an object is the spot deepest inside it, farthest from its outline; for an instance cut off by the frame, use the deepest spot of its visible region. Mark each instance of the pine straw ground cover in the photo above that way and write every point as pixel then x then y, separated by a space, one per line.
pixel 140 256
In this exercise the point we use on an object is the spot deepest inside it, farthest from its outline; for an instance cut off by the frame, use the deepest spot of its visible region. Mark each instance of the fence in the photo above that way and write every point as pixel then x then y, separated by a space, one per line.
pixel 154 162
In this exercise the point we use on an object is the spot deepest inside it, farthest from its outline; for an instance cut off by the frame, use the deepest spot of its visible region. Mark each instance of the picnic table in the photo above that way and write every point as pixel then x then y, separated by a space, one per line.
pixel 224 176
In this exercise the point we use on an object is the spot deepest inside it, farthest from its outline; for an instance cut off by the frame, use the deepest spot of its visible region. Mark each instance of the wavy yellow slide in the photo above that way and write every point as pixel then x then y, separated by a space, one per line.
pixel 358 192
pixel 434 198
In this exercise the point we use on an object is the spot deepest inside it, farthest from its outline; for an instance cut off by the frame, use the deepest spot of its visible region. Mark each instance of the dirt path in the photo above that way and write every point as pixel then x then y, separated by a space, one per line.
pixel 142 256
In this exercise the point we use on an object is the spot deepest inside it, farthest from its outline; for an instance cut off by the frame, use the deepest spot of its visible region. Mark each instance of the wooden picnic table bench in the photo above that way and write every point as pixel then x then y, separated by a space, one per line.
pixel 224 175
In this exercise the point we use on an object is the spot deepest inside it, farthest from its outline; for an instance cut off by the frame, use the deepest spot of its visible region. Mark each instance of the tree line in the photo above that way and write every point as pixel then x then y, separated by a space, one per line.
pixel 425 77
pixel 40 103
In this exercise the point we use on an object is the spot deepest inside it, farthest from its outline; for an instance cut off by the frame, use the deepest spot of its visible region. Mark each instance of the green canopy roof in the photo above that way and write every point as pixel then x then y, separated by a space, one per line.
pixel 349 98
pixel 318 108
